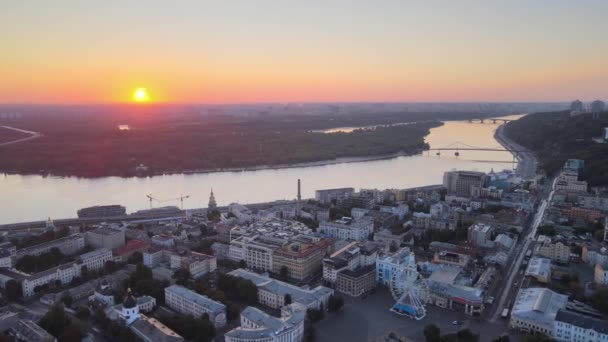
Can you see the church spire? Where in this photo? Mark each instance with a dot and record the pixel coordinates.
(212, 203)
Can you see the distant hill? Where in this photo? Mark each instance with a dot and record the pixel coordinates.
(556, 137)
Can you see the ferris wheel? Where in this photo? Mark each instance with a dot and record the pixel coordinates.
(409, 290)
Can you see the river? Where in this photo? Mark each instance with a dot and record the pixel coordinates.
(31, 198)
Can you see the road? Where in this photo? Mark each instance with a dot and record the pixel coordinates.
(527, 162)
(32, 135)
(528, 242)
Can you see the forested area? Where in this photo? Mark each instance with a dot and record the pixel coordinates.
(93, 146)
(556, 137)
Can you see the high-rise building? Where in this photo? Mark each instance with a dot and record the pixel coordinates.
(461, 183)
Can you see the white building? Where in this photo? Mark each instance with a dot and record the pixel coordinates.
(480, 235)
(96, 260)
(540, 269)
(189, 302)
(68, 245)
(573, 327)
(400, 210)
(348, 229)
(258, 326)
(387, 264)
(271, 292)
(350, 257)
(535, 310)
(328, 195)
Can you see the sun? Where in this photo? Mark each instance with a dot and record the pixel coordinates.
(140, 95)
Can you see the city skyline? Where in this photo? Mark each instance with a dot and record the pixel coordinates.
(198, 52)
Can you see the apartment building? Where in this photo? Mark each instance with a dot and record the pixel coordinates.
(258, 326)
(105, 237)
(461, 183)
(348, 229)
(272, 292)
(68, 245)
(302, 257)
(328, 195)
(574, 327)
(555, 251)
(189, 302)
(96, 260)
(535, 310)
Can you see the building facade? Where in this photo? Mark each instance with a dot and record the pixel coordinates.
(189, 302)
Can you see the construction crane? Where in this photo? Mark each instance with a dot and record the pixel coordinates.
(150, 198)
(181, 200)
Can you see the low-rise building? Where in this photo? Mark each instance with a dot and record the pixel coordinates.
(102, 211)
(535, 310)
(539, 269)
(96, 260)
(132, 246)
(388, 263)
(574, 327)
(25, 330)
(480, 235)
(348, 229)
(68, 245)
(272, 292)
(105, 237)
(189, 302)
(557, 251)
(258, 326)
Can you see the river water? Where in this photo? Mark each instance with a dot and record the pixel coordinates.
(32, 198)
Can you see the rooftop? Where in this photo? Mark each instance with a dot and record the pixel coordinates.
(105, 231)
(268, 326)
(194, 297)
(538, 304)
(582, 321)
(154, 330)
(298, 295)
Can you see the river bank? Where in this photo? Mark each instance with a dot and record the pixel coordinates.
(527, 162)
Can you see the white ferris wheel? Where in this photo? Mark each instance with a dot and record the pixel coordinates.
(409, 290)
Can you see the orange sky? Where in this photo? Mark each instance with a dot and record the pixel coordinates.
(72, 52)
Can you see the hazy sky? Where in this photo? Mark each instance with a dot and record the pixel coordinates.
(276, 51)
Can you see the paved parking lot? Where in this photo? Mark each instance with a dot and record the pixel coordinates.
(363, 320)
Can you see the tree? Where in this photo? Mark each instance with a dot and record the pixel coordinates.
(309, 331)
(182, 276)
(503, 338)
(466, 335)
(536, 338)
(284, 272)
(242, 264)
(135, 258)
(335, 303)
(432, 333)
(71, 334)
(55, 320)
(13, 290)
(67, 299)
(287, 299)
(83, 312)
(600, 299)
(232, 312)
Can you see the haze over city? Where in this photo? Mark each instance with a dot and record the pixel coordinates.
(74, 52)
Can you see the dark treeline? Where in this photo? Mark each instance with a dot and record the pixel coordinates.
(556, 137)
(92, 145)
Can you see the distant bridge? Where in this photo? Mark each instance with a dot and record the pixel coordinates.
(494, 120)
(460, 146)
